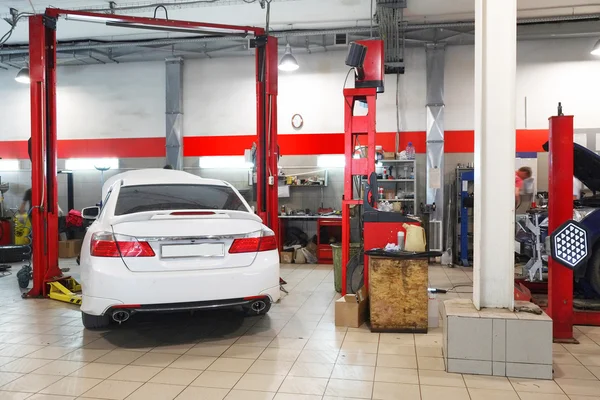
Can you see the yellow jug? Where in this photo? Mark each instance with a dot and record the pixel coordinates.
(415, 238)
(22, 230)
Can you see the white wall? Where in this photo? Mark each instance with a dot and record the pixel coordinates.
(127, 100)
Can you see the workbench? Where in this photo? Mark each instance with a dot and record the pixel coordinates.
(326, 226)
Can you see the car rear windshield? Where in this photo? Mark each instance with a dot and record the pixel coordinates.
(134, 199)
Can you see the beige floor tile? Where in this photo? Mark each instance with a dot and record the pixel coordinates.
(71, 386)
(231, 365)
(156, 359)
(97, 370)
(574, 397)
(259, 382)
(317, 356)
(217, 379)
(431, 363)
(157, 391)
(360, 347)
(173, 348)
(30, 383)
(280, 354)
(545, 396)
(440, 378)
(24, 365)
(369, 360)
(135, 373)
(292, 396)
(587, 360)
(362, 337)
(85, 355)
(301, 385)
(594, 370)
(254, 341)
(429, 340)
(328, 335)
(397, 338)
(536, 386)
(50, 353)
(175, 376)
(492, 394)
(112, 390)
(353, 372)
(395, 391)
(13, 395)
(59, 367)
(488, 382)
(311, 370)
(238, 351)
(196, 393)
(585, 349)
(396, 349)
(193, 362)
(18, 350)
(579, 387)
(345, 388)
(396, 375)
(207, 350)
(271, 367)
(429, 351)
(120, 357)
(289, 343)
(247, 395)
(393, 361)
(326, 345)
(6, 360)
(565, 358)
(6, 377)
(573, 372)
(446, 393)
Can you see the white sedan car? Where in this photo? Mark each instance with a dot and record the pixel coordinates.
(166, 240)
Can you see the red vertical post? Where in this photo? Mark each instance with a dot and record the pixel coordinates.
(348, 186)
(271, 82)
(261, 206)
(37, 75)
(560, 209)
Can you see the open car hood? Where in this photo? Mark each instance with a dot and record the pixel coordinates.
(586, 166)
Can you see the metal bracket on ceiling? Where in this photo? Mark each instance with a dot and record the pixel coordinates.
(258, 41)
(49, 22)
(113, 6)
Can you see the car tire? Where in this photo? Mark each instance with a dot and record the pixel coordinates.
(252, 312)
(593, 270)
(95, 321)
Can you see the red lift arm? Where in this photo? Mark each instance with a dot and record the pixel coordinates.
(42, 66)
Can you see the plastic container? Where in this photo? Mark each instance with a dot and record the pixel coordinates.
(337, 262)
(415, 238)
(410, 151)
(401, 240)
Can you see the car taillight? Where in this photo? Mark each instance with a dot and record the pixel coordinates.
(253, 245)
(105, 244)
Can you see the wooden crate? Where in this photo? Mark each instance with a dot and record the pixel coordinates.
(398, 294)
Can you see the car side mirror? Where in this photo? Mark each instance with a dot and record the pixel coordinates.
(90, 212)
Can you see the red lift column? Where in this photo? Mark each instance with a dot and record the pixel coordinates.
(560, 209)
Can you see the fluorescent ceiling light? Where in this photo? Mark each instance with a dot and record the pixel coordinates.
(23, 76)
(9, 165)
(596, 49)
(75, 164)
(288, 62)
(227, 162)
(331, 161)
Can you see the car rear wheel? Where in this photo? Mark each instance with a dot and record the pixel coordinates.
(258, 307)
(95, 321)
(593, 270)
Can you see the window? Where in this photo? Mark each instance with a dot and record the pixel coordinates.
(134, 199)
(75, 164)
(9, 165)
(331, 161)
(229, 162)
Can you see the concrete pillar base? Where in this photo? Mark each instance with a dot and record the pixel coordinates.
(495, 341)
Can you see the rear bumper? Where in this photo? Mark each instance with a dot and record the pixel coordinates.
(107, 284)
(199, 305)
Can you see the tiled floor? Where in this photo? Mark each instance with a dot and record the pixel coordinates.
(295, 353)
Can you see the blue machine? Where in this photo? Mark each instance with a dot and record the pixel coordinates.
(466, 203)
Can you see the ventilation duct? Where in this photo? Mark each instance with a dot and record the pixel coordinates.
(390, 18)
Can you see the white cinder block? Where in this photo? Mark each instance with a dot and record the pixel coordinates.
(469, 338)
(498, 368)
(473, 367)
(530, 371)
(529, 341)
(499, 340)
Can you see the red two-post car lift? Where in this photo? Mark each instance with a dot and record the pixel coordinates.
(42, 66)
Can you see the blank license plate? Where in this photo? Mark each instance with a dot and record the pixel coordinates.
(194, 250)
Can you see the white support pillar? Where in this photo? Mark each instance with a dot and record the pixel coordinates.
(495, 75)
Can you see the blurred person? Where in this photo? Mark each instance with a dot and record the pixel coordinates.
(524, 188)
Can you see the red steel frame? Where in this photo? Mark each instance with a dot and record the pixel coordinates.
(42, 66)
(357, 130)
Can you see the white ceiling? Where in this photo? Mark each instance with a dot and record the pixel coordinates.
(285, 14)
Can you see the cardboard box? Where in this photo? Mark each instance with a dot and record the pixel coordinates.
(299, 257)
(287, 256)
(69, 248)
(351, 310)
(389, 155)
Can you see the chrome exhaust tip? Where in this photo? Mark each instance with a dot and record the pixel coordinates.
(120, 316)
(258, 306)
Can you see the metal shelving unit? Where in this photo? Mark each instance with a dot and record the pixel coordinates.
(463, 219)
(402, 170)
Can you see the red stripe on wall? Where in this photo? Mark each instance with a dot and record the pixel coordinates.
(293, 144)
